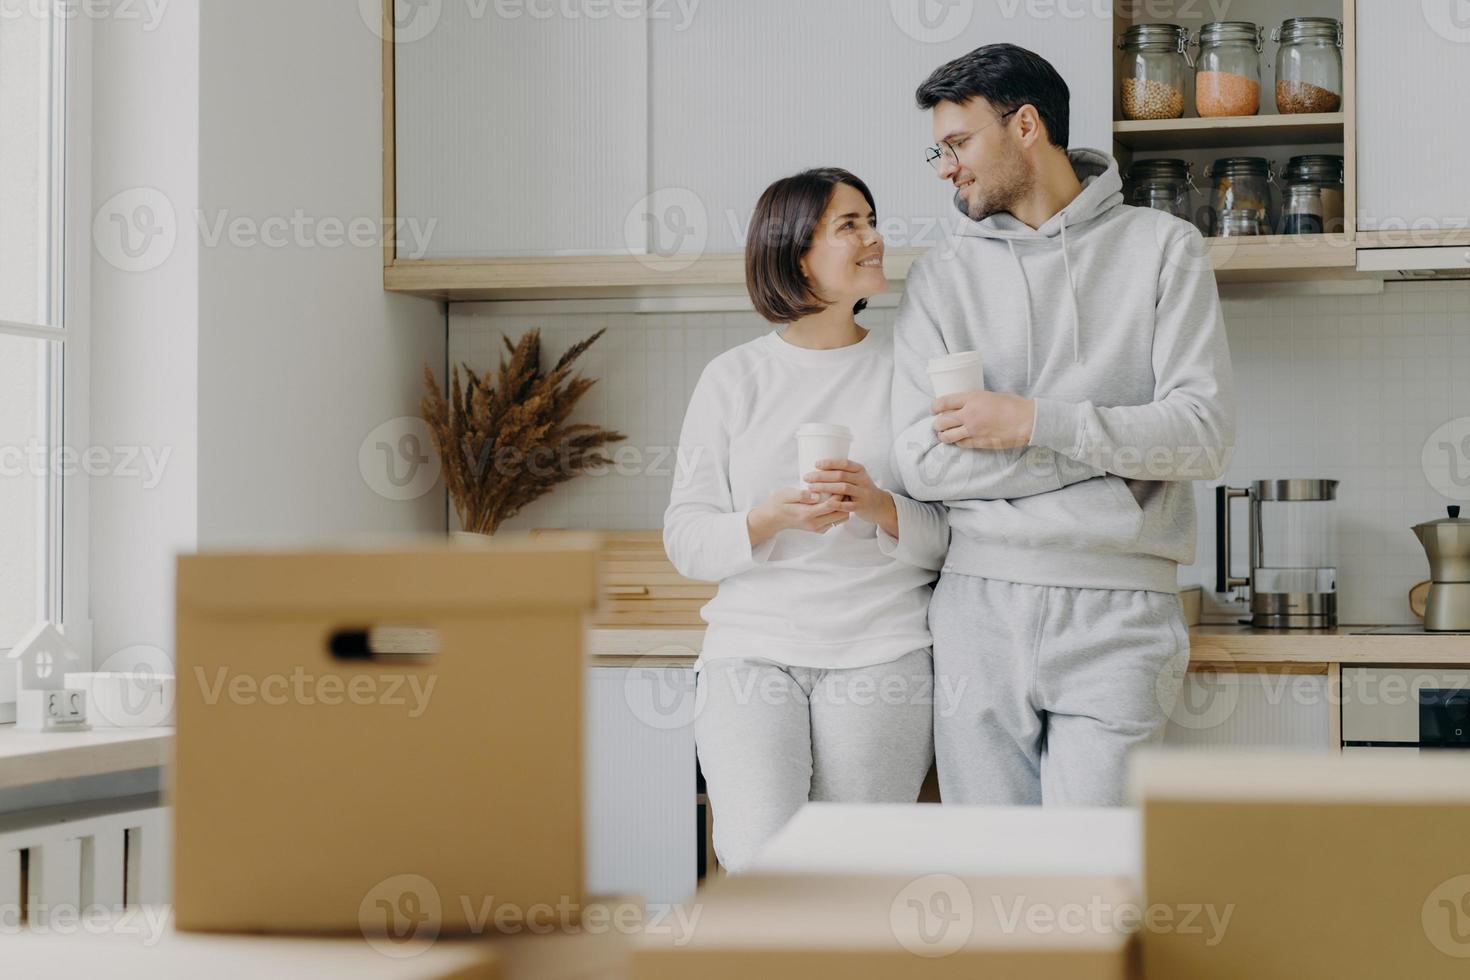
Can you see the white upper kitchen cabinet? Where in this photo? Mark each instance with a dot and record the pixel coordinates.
(520, 130)
(748, 91)
(1413, 76)
(525, 127)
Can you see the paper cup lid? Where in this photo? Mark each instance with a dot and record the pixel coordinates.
(824, 429)
(961, 359)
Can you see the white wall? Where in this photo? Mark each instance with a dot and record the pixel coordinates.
(301, 354)
(258, 370)
(144, 316)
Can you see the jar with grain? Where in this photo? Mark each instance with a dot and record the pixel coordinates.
(1309, 65)
(1325, 172)
(1240, 184)
(1163, 185)
(1301, 211)
(1155, 65)
(1227, 73)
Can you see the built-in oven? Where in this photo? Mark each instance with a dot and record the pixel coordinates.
(1401, 708)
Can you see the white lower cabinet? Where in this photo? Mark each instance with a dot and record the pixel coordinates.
(1237, 710)
(641, 814)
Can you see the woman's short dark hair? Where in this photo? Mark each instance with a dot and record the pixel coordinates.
(781, 231)
(1008, 77)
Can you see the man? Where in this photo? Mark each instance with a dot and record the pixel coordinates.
(1056, 620)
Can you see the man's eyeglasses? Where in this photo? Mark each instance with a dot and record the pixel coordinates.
(945, 150)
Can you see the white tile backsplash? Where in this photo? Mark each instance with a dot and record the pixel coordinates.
(1336, 387)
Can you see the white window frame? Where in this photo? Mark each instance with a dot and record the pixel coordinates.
(66, 598)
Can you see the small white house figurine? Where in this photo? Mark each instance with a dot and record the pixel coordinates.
(41, 661)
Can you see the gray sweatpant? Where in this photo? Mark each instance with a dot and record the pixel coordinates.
(1049, 688)
(770, 738)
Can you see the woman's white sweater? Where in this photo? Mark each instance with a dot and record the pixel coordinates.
(850, 597)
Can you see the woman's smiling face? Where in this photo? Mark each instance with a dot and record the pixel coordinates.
(845, 261)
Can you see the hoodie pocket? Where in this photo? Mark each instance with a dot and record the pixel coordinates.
(1095, 514)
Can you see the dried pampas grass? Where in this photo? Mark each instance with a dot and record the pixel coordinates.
(505, 445)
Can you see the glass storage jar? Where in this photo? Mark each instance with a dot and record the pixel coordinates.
(1301, 210)
(1325, 172)
(1240, 184)
(1163, 185)
(1309, 65)
(1227, 73)
(1237, 222)
(1155, 66)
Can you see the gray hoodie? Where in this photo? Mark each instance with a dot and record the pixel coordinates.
(1109, 317)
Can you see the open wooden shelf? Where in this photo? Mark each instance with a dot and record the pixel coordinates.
(1177, 134)
(1283, 258)
(1268, 258)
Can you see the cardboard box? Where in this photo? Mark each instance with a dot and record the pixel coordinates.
(138, 943)
(816, 927)
(1342, 866)
(321, 788)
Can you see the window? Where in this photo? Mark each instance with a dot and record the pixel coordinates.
(33, 331)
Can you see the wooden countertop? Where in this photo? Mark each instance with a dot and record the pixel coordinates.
(1212, 646)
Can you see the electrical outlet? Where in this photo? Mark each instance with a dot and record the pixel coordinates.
(52, 711)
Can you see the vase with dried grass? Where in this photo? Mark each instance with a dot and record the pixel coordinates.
(506, 441)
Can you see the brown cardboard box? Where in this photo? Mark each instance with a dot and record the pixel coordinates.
(314, 793)
(813, 927)
(1350, 867)
(139, 944)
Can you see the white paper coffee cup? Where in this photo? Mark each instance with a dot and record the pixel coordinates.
(954, 373)
(820, 440)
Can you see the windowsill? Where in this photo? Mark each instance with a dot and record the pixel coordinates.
(27, 758)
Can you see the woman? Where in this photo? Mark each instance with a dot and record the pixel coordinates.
(816, 678)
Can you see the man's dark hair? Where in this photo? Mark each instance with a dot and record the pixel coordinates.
(1007, 77)
(781, 234)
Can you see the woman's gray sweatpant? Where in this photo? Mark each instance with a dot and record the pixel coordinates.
(1042, 692)
(770, 738)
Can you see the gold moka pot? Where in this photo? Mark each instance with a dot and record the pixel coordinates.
(1447, 543)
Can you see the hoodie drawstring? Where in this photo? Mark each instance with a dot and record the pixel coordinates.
(1026, 291)
(1071, 296)
(1071, 292)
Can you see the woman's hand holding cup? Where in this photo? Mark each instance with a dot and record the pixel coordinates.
(855, 492)
(793, 508)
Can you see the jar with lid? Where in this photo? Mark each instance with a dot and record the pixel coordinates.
(1323, 171)
(1240, 184)
(1227, 73)
(1164, 185)
(1237, 222)
(1155, 66)
(1309, 65)
(1301, 210)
